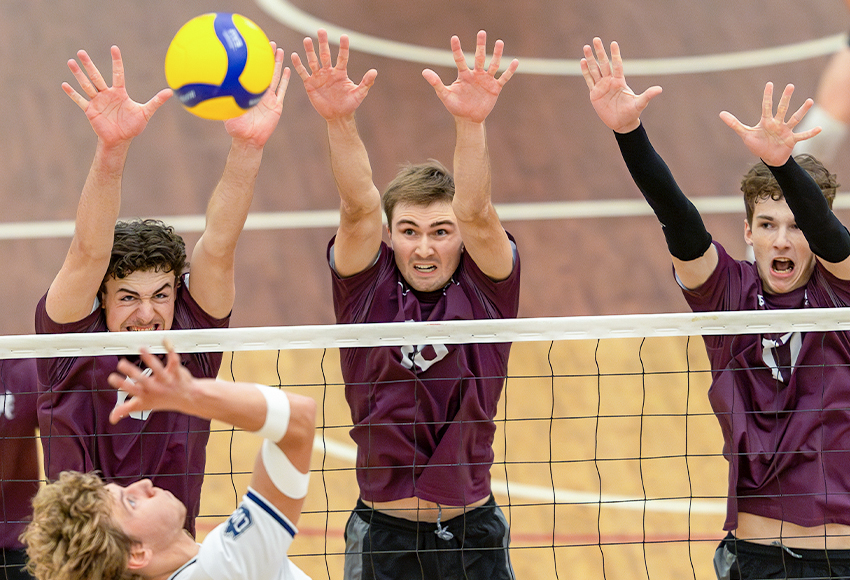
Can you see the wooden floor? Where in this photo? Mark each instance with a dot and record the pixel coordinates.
(546, 144)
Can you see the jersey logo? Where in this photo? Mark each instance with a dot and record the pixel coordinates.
(121, 396)
(412, 355)
(239, 521)
(781, 354)
(7, 405)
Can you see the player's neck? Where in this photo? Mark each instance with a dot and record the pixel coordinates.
(178, 555)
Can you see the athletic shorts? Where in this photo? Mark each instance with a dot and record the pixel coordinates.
(741, 560)
(12, 564)
(382, 547)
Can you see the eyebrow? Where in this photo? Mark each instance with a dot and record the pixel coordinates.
(431, 225)
(121, 501)
(134, 293)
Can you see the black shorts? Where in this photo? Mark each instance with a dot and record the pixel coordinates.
(379, 546)
(12, 564)
(741, 560)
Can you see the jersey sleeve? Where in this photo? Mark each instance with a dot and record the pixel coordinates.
(501, 297)
(723, 291)
(836, 290)
(252, 544)
(51, 371)
(353, 294)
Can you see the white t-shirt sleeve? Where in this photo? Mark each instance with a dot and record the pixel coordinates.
(251, 545)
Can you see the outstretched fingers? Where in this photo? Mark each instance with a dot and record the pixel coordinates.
(480, 50)
(496, 60)
(509, 72)
(342, 57)
(733, 123)
(798, 116)
(117, 68)
(767, 101)
(325, 59)
(459, 57)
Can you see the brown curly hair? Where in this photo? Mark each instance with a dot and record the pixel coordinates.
(759, 184)
(72, 535)
(145, 245)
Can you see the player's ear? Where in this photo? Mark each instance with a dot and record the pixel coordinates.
(139, 558)
(748, 233)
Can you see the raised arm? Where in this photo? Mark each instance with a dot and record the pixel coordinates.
(116, 119)
(336, 97)
(469, 99)
(285, 420)
(694, 257)
(772, 139)
(212, 281)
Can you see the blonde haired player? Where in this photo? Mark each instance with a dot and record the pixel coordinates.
(83, 528)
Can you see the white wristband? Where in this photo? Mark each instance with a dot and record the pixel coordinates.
(283, 474)
(277, 414)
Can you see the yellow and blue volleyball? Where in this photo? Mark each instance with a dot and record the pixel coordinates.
(219, 65)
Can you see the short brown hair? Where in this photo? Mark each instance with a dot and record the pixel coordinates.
(72, 535)
(418, 184)
(759, 184)
(145, 245)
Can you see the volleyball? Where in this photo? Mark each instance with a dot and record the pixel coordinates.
(219, 65)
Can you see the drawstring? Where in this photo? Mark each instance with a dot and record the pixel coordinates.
(782, 546)
(441, 532)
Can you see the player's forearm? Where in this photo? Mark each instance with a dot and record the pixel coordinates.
(100, 201)
(239, 404)
(230, 202)
(687, 238)
(471, 171)
(351, 169)
(827, 236)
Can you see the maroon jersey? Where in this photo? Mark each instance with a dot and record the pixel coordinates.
(18, 453)
(423, 416)
(75, 401)
(783, 401)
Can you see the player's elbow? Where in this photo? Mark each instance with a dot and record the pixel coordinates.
(302, 420)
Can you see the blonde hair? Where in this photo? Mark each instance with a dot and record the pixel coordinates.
(72, 535)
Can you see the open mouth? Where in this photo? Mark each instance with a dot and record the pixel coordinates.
(782, 266)
(142, 328)
(425, 269)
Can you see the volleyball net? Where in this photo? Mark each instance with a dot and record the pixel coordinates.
(608, 458)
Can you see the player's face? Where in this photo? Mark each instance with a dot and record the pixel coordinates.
(143, 300)
(784, 259)
(149, 515)
(427, 244)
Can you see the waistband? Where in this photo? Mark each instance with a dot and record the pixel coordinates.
(775, 550)
(375, 517)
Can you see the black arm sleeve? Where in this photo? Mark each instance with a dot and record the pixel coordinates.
(827, 236)
(687, 238)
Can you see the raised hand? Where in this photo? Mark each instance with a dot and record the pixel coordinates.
(474, 93)
(773, 138)
(616, 104)
(163, 388)
(259, 122)
(113, 115)
(329, 89)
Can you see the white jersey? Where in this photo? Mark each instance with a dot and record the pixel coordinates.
(251, 545)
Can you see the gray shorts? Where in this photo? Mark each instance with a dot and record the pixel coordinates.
(379, 546)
